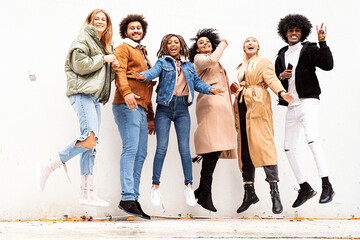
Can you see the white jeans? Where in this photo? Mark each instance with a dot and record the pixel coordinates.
(305, 114)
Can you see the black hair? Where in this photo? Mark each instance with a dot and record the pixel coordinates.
(163, 51)
(132, 18)
(291, 21)
(211, 34)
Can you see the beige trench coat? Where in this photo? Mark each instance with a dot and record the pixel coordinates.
(215, 117)
(259, 121)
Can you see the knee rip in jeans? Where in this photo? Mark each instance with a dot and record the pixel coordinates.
(310, 142)
(287, 150)
(89, 142)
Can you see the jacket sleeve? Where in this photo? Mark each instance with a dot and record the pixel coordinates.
(82, 63)
(199, 85)
(154, 72)
(270, 78)
(204, 61)
(278, 68)
(121, 80)
(322, 57)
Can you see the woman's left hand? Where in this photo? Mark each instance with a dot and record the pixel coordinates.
(151, 127)
(137, 75)
(287, 97)
(217, 91)
(115, 64)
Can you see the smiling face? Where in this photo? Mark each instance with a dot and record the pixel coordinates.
(251, 46)
(204, 45)
(293, 35)
(174, 47)
(100, 23)
(134, 31)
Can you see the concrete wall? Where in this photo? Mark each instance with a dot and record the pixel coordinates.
(37, 120)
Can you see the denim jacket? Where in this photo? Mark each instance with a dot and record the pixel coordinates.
(165, 69)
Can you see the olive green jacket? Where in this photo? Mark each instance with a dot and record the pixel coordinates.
(85, 67)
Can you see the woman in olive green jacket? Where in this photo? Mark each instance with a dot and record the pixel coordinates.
(89, 76)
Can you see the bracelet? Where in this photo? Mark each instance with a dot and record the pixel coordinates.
(321, 39)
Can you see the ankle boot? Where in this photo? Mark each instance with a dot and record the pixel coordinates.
(43, 170)
(203, 193)
(275, 198)
(249, 197)
(87, 194)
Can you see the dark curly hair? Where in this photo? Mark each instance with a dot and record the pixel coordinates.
(291, 21)
(132, 18)
(211, 34)
(163, 51)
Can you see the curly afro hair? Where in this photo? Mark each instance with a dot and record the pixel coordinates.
(291, 21)
(211, 34)
(132, 18)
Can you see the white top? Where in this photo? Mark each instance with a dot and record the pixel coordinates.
(292, 56)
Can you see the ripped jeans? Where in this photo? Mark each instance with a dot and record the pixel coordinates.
(87, 108)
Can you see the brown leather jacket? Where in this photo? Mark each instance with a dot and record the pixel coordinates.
(131, 58)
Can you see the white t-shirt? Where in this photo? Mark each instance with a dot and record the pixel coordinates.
(292, 56)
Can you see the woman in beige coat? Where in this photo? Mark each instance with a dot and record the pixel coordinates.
(215, 135)
(254, 124)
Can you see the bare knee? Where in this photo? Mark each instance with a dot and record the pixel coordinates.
(89, 142)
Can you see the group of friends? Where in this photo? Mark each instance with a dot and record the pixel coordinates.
(241, 129)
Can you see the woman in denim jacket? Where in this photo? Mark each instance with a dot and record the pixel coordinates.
(175, 92)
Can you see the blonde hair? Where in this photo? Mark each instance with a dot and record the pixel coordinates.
(248, 64)
(106, 37)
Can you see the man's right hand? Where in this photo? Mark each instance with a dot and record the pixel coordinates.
(131, 101)
(285, 74)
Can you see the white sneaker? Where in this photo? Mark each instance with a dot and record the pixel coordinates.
(189, 195)
(155, 196)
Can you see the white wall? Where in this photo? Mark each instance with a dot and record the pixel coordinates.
(37, 120)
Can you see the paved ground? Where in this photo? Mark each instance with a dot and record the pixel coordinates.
(183, 229)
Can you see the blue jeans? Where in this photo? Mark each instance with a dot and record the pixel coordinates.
(178, 112)
(133, 130)
(87, 108)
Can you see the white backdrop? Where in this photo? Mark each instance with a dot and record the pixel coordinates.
(37, 120)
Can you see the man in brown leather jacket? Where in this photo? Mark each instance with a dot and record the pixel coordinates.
(132, 110)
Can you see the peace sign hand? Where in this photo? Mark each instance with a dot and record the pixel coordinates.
(321, 32)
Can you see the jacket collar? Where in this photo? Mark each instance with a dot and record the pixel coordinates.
(182, 58)
(91, 30)
(133, 43)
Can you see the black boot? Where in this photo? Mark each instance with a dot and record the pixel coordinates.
(327, 193)
(130, 207)
(277, 207)
(305, 193)
(203, 193)
(249, 198)
(143, 215)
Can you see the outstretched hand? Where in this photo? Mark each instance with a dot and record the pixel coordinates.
(288, 97)
(217, 91)
(137, 75)
(321, 32)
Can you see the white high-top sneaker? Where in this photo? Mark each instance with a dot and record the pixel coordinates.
(87, 195)
(189, 195)
(155, 196)
(43, 170)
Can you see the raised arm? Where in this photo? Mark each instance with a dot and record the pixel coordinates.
(204, 61)
(322, 56)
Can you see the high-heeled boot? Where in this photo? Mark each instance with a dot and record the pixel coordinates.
(277, 207)
(249, 197)
(43, 170)
(203, 193)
